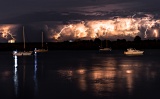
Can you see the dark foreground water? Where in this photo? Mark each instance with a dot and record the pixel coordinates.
(80, 75)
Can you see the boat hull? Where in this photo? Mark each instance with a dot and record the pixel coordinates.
(105, 49)
(134, 53)
(131, 51)
(27, 53)
(40, 50)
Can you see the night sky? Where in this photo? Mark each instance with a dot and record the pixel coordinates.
(51, 16)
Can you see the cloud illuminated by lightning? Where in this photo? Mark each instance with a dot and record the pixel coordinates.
(6, 31)
(106, 29)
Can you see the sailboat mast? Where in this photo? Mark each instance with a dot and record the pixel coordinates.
(23, 38)
(42, 39)
(106, 44)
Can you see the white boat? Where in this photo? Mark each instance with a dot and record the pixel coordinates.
(23, 53)
(132, 51)
(42, 49)
(105, 49)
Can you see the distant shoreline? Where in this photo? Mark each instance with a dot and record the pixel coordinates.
(83, 45)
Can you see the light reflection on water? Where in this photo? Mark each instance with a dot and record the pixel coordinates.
(97, 80)
(23, 75)
(15, 77)
(35, 76)
(111, 75)
(97, 74)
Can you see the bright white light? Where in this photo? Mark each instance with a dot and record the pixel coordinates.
(15, 61)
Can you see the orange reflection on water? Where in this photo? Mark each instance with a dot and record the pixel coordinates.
(82, 82)
(103, 80)
(110, 76)
(129, 80)
(6, 74)
(81, 71)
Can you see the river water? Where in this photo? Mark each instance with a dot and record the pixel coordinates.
(85, 74)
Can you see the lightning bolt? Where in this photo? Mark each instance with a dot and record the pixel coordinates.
(145, 33)
(5, 32)
(59, 34)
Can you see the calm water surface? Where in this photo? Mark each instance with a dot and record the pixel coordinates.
(80, 75)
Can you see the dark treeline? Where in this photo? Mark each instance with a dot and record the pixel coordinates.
(85, 45)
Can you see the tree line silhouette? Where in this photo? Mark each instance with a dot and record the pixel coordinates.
(86, 44)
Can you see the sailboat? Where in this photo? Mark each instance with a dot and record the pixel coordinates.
(22, 53)
(105, 48)
(42, 49)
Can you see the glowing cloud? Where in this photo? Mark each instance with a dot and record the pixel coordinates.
(108, 29)
(6, 31)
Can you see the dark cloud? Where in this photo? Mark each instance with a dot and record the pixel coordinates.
(35, 14)
(15, 8)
